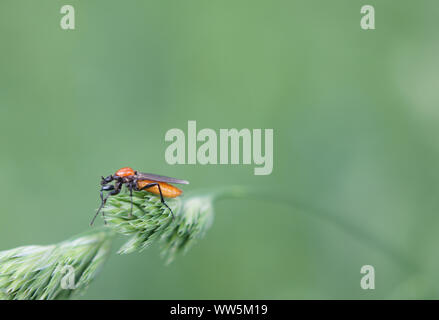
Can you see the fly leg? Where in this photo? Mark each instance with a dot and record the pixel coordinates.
(149, 185)
(131, 186)
(113, 191)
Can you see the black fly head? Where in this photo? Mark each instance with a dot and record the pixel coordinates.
(106, 180)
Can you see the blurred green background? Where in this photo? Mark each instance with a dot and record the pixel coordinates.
(354, 112)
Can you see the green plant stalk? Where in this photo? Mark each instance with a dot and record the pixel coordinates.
(326, 215)
(35, 272)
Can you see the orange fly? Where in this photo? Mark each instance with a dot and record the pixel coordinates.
(138, 181)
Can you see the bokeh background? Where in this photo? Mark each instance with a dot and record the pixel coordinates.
(355, 117)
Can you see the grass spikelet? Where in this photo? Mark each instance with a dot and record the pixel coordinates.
(37, 272)
(152, 222)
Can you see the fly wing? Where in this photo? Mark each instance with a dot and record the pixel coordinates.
(156, 177)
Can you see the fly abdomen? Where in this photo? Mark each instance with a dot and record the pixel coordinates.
(168, 191)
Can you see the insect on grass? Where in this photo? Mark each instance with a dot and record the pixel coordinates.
(138, 181)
